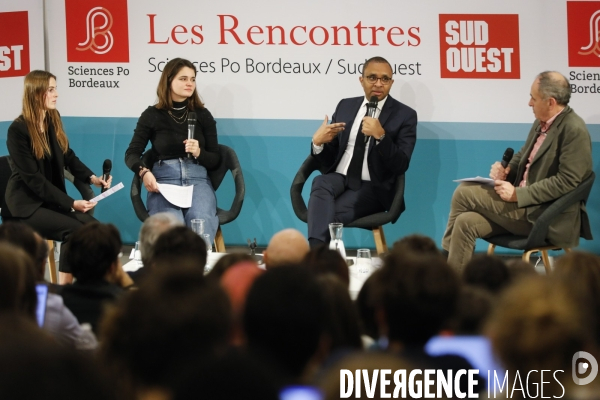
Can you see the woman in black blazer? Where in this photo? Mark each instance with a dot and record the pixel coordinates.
(39, 152)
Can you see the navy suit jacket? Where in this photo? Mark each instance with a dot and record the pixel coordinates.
(387, 160)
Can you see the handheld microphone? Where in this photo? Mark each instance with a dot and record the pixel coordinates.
(106, 167)
(371, 110)
(508, 155)
(191, 128)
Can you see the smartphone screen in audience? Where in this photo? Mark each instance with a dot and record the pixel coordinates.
(476, 349)
(42, 298)
(300, 393)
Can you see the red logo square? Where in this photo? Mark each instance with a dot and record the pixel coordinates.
(583, 24)
(480, 46)
(97, 31)
(14, 44)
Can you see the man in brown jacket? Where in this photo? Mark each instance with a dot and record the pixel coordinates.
(555, 159)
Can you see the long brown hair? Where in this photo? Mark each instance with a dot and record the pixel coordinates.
(34, 110)
(163, 91)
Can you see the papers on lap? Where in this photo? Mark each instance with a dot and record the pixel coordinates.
(180, 196)
(107, 193)
(477, 179)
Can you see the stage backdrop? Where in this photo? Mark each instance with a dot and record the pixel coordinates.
(270, 77)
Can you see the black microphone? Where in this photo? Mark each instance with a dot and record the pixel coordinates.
(191, 128)
(106, 167)
(508, 155)
(371, 110)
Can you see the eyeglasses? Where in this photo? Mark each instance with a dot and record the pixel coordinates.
(385, 80)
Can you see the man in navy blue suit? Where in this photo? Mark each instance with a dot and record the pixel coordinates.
(360, 156)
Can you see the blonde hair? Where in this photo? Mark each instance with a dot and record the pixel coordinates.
(34, 110)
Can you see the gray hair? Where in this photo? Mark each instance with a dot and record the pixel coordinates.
(152, 228)
(555, 85)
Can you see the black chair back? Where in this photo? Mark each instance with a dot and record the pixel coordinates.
(538, 234)
(310, 165)
(5, 173)
(229, 162)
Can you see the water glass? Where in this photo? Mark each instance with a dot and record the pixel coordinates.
(137, 253)
(364, 264)
(198, 226)
(336, 229)
(360, 271)
(208, 242)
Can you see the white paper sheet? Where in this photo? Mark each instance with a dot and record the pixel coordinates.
(108, 192)
(180, 196)
(477, 179)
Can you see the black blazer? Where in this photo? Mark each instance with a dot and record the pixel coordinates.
(35, 183)
(387, 160)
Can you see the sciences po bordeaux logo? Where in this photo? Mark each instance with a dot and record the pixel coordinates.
(479, 46)
(14, 44)
(583, 24)
(97, 31)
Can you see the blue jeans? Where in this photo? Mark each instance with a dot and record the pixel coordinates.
(185, 172)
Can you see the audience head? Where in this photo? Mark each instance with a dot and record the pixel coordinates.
(33, 366)
(287, 247)
(173, 320)
(284, 318)
(152, 228)
(93, 251)
(416, 296)
(228, 261)
(232, 375)
(17, 282)
(472, 310)
(519, 268)
(419, 244)
(322, 260)
(539, 325)
(24, 237)
(236, 281)
(488, 272)
(341, 320)
(581, 271)
(366, 305)
(370, 362)
(179, 243)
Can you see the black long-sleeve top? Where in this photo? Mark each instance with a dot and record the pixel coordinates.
(167, 136)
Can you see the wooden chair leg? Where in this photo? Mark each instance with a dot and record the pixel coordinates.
(527, 255)
(52, 262)
(379, 237)
(546, 260)
(491, 249)
(219, 241)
